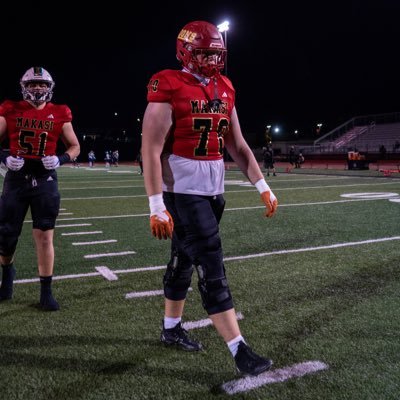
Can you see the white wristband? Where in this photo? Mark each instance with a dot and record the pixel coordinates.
(262, 186)
(156, 203)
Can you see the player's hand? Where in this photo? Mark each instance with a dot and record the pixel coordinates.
(271, 203)
(161, 224)
(14, 163)
(51, 162)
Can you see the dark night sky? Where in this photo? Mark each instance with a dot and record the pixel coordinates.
(294, 63)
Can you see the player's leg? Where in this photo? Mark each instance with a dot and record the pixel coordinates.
(44, 208)
(176, 282)
(203, 245)
(13, 208)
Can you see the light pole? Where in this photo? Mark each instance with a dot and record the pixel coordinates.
(224, 28)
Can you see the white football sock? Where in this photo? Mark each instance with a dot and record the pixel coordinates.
(171, 322)
(234, 344)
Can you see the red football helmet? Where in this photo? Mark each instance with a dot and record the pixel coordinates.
(201, 38)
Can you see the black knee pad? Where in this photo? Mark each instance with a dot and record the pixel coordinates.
(178, 277)
(215, 294)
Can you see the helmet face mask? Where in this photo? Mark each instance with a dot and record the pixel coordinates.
(37, 85)
(200, 48)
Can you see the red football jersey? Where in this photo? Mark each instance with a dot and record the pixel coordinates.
(34, 133)
(199, 128)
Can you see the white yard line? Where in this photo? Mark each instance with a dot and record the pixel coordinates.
(71, 225)
(149, 293)
(122, 253)
(95, 242)
(81, 233)
(274, 376)
(100, 187)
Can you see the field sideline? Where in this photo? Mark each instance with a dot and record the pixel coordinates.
(315, 288)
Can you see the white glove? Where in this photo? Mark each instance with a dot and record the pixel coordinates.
(51, 162)
(14, 163)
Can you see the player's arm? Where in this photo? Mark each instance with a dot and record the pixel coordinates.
(11, 162)
(157, 122)
(241, 153)
(70, 140)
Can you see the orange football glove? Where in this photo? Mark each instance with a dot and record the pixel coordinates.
(270, 202)
(161, 224)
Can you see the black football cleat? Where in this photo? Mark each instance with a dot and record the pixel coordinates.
(178, 336)
(250, 363)
(49, 303)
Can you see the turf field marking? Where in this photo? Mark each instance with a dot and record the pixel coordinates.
(149, 293)
(121, 172)
(205, 322)
(246, 183)
(370, 195)
(316, 248)
(95, 242)
(301, 204)
(107, 273)
(144, 294)
(71, 225)
(65, 213)
(395, 200)
(100, 187)
(122, 253)
(275, 376)
(227, 259)
(81, 233)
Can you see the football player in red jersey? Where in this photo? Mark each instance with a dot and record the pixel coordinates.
(32, 127)
(189, 119)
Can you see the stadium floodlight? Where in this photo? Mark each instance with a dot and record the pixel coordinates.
(224, 28)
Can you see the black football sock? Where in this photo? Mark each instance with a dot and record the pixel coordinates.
(8, 275)
(47, 301)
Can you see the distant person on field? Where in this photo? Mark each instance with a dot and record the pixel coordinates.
(382, 152)
(299, 160)
(291, 159)
(140, 161)
(91, 158)
(268, 159)
(107, 158)
(115, 158)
